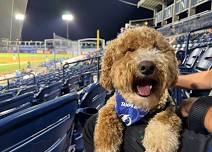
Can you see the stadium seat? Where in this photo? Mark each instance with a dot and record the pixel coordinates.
(16, 101)
(50, 92)
(193, 57)
(205, 61)
(33, 88)
(93, 96)
(71, 84)
(191, 60)
(44, 127)
(12, 91)
(180, 55)
(15, 104)
(183, 47)
(85, 79)
(6, 96)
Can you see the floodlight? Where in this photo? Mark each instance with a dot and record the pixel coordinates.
(67, 17)
(19, 17)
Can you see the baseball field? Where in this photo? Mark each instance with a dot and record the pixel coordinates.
(9, 62)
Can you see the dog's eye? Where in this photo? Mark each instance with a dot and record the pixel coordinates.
(130, 49)
(156, 46)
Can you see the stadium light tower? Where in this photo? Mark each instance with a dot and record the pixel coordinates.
(20, 18)
(67, 18)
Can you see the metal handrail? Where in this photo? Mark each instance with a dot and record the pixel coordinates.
(65, 66)
(13, 78)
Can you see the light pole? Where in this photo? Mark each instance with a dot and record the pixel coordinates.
(20, 18)
(67, 18)
(11, 20)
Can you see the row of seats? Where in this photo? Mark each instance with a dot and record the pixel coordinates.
(196, 40)
(48, 126)
(53, 76)
(196, 58)
(44, 127)
(200, 59)
(50, 115)
(27, 96)
(53, 118)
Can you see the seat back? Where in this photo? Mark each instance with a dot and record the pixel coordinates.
(6, 96)
(12, 91)
(192, 58)
(16, 101)
(72, 84)
(44, 127)
(205, 62)
(33, 88)
(99, 100)
(180, 55)
(94, 96)
(50, 92)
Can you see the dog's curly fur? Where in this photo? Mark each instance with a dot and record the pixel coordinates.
(120, 71)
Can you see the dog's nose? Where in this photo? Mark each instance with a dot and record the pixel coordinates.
(147, 67)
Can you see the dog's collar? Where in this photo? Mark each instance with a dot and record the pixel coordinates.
(129, 113)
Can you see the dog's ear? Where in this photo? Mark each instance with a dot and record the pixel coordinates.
(162, 44)
(173, 68)
(106, 65)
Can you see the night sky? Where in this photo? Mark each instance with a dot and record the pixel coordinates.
(44, 18)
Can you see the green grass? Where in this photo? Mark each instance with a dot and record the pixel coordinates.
(13, 67)
(28, 55)
(8, 66)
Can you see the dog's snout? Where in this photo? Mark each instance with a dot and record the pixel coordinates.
(147, 67)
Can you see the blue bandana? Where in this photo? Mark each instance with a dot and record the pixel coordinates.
(128, 112)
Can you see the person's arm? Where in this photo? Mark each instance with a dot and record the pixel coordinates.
(208, 120)
(201, 80)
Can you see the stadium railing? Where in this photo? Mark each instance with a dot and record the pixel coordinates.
(66, 66)
(18, 79)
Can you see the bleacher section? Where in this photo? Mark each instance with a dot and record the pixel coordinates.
(194, 51)
(47, 112)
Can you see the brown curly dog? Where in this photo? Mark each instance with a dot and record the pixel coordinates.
(141, 65)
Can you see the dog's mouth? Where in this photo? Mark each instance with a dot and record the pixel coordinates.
(145, 87)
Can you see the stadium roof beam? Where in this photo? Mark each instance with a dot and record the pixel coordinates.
(150, 4)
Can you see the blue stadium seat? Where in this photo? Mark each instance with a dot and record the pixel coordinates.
(15, 104)
(32, 88)
(50, 92)
(94, 96)
(13, 91)
(6, 96)
(199, 62)
(205, 61)
(44, 127)
(71, 84)
(16, 101)
(191, 60)
(86, 79)
(180, 55)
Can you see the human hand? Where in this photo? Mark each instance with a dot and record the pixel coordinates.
(186, 105)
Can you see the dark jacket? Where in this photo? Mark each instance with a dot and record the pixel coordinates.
(191, 141)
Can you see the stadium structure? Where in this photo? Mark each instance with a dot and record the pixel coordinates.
(11, 27)
(12, 15)
(175, 16)
(46, 111)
